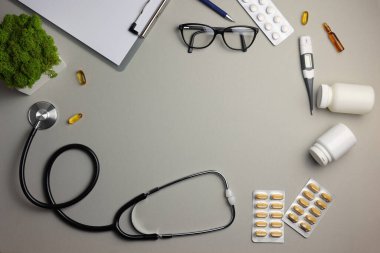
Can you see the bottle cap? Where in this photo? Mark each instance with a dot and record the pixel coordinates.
(324, 96)
(321, 157)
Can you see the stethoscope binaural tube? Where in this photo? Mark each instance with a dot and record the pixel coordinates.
(230, 198)
(38, 123)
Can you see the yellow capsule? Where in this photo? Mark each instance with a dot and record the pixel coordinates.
(261, 215)
(320, 204)
(261, 205)
(276, 224)
(81, 77)
(276, 196)
(298, 210)
(276, 205)
(310, 219)
(308, 195)
(303, 202)
(276, 215)
(314, 211)
(292, 217)
(261, 196)
(275, 234)
(260, 224)
(74, 118)
(260, 233)
(313, 187)
(304, 17)
(305, 227)
(326, 197)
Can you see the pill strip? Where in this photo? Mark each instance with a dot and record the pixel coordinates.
(268, 209)
(269, 19)
(308, 208)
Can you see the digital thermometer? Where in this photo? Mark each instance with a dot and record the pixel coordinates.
(307, 66)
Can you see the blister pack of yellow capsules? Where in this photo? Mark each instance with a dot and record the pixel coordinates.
(308, 209)
(268, 209)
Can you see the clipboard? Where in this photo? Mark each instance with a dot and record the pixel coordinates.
(102, 25)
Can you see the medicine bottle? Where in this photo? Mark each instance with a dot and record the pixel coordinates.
(346, 98)
(332, 145)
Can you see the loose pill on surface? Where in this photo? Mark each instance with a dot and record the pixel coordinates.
(276, 234)
(304, 17)
(276, 224)
(292, 217)
(81, 77)
(260, 233)
(261, 224)
(298, 210)
(276, 215)
(277, 196)
(276, 205)
(311, 219)
(261, 205)
(308, 195)
(313, 187)
(261, 215)
(261, 196)
(314, 211)
(303, 202)
(326, 197)
(305, 227)
(74, 118)
(320, 204)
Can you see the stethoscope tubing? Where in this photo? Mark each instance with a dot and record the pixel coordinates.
(115, 226)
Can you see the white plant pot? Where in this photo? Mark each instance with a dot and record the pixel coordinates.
(44, 79)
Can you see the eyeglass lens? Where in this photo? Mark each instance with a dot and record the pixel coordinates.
(198, 36)
(239, 38)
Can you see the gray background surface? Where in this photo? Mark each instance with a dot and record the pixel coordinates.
(170, 113)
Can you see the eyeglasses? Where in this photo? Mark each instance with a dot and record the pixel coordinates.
(200, 36)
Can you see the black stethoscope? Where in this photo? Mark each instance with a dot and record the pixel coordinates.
(43, 115)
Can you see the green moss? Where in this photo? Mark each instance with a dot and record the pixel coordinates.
(26, 51)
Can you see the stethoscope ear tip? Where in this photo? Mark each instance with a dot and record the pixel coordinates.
(42, 115)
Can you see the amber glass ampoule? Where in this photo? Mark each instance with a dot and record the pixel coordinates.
(333, 38)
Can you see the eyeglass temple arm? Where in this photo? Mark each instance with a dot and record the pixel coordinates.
(190, 47)
(243, 45)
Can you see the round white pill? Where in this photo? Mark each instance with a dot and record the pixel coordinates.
(253, 7)
(270, 10)
(284, 28)
(268, 26)
(275, 36)
(262, 2)
(277, 19)
(260, 17)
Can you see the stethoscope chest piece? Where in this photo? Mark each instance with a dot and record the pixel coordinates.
(43, 113)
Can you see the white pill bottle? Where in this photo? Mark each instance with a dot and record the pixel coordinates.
(346, 98)
(332, 144)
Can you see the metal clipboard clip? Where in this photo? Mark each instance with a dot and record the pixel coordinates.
(150, 22)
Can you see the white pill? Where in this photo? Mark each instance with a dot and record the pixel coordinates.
(253, 7)
(284, 28)
(277, 19)
(275, 36)
(260, 17)
(270, 10)
(262, 2)
(268, 26)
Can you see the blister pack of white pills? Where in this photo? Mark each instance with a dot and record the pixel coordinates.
(268, 209)
(269, 19)
(308, 208)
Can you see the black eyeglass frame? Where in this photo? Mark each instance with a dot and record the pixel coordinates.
(221, 31)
